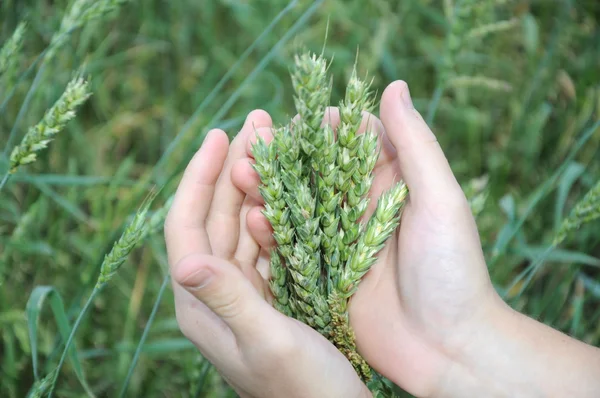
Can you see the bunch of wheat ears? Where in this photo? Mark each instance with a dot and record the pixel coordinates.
(315, 182)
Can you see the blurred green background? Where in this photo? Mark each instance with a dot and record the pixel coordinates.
(509, 87)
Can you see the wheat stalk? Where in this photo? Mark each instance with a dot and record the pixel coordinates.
(316, 189)
(54, 120)
(133, 234)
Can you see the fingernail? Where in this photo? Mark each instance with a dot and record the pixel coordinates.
(406, 100)
(198, 279)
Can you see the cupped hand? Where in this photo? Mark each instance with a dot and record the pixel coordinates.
(423, 301)
(220, 291)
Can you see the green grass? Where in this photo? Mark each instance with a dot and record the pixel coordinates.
(521, 105)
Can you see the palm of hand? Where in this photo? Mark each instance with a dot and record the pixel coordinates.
(420, 302)
(423, 298)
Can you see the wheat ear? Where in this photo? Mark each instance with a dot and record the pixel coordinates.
(54, 120)
(585, 211)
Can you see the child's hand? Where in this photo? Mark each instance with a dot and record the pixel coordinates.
(219, 292)
(426, 315)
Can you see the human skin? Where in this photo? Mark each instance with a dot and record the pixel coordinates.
(219, 294)
(426, 315)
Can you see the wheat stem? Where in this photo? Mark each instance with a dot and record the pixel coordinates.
(4, 180)
(63, 357)
(140, 345)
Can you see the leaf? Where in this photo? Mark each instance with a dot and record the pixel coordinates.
(70, 180)
(572, 173)
(36, 302)
(69, 207)
(507, 204)
(544, 189)
(158, 347)
(560, 256)
(530, 34)
(591, 285)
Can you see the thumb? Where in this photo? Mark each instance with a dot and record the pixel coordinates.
(423, 165)
(223, 288)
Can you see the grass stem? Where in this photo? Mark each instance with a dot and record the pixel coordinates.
(140, 345)
(63, 357)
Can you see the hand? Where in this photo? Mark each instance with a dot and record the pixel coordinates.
(429, 289)
(219, 291)
(426, 315)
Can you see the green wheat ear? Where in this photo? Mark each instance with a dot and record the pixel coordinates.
(586, 210)
(55, 119)
(315, 186)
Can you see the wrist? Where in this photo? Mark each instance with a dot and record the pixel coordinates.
(474, 361)
(511, 355)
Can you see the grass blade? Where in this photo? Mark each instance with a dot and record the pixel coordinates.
(213, 93)
(501, 246)
(36, 302)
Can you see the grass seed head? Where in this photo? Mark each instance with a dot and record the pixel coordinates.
(133, 234)
(81, 13)
(585, 211)
(55, 119)
(9, 53)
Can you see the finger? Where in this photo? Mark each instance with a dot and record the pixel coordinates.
(422, 162)
(265, 133)
(222, 287)
(246, 254)
(331, 117)
(223, 223)
(386, 171)
(185, 230)
(264, 269)
(260, 228)
(203, 327)
(370, 123)
(246, 179)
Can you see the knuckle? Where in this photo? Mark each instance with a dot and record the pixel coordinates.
(229, 306)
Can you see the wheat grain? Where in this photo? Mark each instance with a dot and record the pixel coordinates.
(267, 167)
(379, 228)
